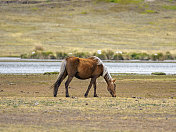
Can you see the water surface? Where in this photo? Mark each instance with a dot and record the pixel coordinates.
(41, 67)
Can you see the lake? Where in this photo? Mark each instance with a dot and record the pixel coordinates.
(29, 66)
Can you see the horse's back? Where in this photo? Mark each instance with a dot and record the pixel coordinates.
(83, 68)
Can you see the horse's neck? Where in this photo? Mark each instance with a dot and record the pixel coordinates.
(108, 78)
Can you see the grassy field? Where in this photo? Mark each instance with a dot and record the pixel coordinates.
(87, 25)
(144, 103)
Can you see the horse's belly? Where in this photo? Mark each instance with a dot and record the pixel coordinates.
(82, 76)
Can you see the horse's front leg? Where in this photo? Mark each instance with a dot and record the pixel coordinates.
(67, 84)
(95, 87)
(89, 87)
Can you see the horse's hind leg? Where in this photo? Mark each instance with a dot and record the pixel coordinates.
(58, 83)
(67, 84)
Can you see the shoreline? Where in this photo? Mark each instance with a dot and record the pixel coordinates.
(18, 59)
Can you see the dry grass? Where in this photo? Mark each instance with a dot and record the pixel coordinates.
(87, 114)
(144, 103)
(87, 26)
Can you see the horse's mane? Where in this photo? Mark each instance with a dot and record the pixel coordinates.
(105, 70)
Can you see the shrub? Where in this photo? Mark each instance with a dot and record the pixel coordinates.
(46, 55)
(158, 56)
(168, 56)
(52, 56)
(81, 54)
(118, 57)
(101, 56)
(34, 55)
(61, 55)
(24, 56)
(39, 55)
(158, 73)
(124, 1)
(138, 56)
(126, 56)
(109, 54)
(50, 73)
(170, 7)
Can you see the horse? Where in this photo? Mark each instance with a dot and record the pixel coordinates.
(84, 68)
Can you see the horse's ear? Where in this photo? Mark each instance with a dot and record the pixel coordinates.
(113, 80)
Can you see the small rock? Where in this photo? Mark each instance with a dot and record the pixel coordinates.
(36, 92)
(59, 111)
(1, 90)
(36, 103)
(86, 103)
(133, 97)
(45, 111)
(12, 84)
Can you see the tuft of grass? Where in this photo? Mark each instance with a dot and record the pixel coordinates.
(125, 1)
(84, 12)
(50, 73)
(170, 7)
(150, 11)
(158, 73)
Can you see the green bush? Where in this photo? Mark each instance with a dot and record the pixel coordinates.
(81, 54)
(61, 55)
(39, 55)
(124, 1)
(50, 73)
(168, 56)
(138, 56)
(35, 55)
(24, 56)
(158, 56)
(170, 7)
(101, 56)
(109, 54)
(158, 73)
(118, 57)
(45, 55)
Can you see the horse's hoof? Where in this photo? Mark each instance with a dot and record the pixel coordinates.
(95, 95)
(67, 96)
(55, 95)
(85, 95)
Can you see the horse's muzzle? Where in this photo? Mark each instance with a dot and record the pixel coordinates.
(113, 95)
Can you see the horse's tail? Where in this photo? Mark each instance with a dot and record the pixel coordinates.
(62, 75)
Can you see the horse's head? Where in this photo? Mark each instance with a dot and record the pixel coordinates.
(112, 88)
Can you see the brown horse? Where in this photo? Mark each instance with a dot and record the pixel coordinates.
(82, 68)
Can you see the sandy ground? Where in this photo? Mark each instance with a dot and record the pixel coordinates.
(144, 103)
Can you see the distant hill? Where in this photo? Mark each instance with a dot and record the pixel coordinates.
(87, 25)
